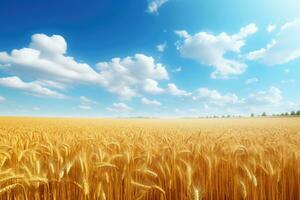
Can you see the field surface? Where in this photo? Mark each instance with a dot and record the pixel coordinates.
(43, 158)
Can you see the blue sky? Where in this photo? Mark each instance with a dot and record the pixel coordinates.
(163, 58)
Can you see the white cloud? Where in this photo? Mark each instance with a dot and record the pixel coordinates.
(258, 54)
(85, 107)
(29, 87)
(86, 103)
(173, 90)
(85, 100)
(272, 96)
(251, 80)
(2, 98)
(128, 75)
(214, 97)
(210, 49)
(250, 29)
(44, 58)
(151, 87)
(178, 69)
(119, 107)
(271, 28)
(270, 101)
(154, 5)
(54, 45)
(45, 62)
(285, 47)
(161, 47)
(292, 106)
(183, 34)
(52, 84)
(149, 102)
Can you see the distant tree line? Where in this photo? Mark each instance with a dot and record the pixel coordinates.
(264, 114)
(292, 113)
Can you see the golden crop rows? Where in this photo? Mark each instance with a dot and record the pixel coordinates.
(149, 159)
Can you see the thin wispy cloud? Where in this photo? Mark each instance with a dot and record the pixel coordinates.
(154, 5)
(149, 102)
(251, 81)
(30, 87)
(178, 69)
(283, 48)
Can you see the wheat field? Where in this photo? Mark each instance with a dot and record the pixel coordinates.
(47, 158)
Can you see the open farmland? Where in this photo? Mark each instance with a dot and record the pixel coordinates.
(43, 158)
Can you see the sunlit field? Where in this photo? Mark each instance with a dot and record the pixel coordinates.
(129, 159)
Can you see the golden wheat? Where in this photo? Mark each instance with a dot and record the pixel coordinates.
(43, 158)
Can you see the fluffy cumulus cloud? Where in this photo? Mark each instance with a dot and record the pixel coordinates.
(272, 96)
(214, 97)
(173, 90)
(29, 87)
(45, 62)
(45, 57)
(129, 75)
(55, 45)
(214, 102)
(285, 47)
(154, 5)
(119, 108)
(210, 49)
(151, 86)
(149, 102)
